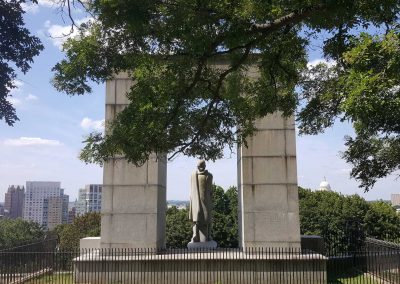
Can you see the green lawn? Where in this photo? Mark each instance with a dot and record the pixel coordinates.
(56, 279)
(67, 278)
(357, 279)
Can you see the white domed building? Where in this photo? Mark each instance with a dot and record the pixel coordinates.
(324, 186)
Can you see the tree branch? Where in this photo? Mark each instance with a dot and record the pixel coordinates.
(214, 100)
(292, 18)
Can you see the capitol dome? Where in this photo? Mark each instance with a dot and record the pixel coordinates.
(324, 186)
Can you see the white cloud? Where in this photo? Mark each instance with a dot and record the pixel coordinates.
(17, 98)
(30, 7)
(59, 34)
(15, 93)
(49, 3)
(31, 141)
(34, 8)
(18, 83)
(31, 97)
(88, 124)
(14, 101)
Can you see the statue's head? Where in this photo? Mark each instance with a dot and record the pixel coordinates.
(201, 165)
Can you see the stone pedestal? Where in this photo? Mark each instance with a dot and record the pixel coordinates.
(200, 267)
(267, 186)
(202, 245)
(134, 198)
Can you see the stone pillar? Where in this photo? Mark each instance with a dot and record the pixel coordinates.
(267, 186)
(134, 198)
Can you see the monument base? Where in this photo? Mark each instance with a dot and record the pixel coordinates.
(89, 243)
(189, 266)
(202, 245)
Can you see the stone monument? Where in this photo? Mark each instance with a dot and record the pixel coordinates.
(267, 186)
(134, 206)
(134, 199)
(200, 211)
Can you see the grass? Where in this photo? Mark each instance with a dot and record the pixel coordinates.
(355, 278)
(67, 278)
(55, 278)
(358, 279)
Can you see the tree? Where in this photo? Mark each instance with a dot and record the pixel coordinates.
(338, 219)
(362, 88)
(87, 225)
(17, 232)
(17, 49)
(382, 222)
(225, 219)
(179, 228)
(184, 102)
(345, 220)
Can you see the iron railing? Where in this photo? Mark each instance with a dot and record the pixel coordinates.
(34, 246)
(374, 261)
(348, 259)
(253, 265)
(231, 266)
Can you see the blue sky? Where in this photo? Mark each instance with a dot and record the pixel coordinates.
(44, 145)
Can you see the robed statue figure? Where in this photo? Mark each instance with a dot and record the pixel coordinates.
(201, 203)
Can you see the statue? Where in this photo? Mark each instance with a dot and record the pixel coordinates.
(201, 207)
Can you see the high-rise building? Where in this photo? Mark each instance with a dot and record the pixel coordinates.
(1, 210)
(65, 203)
(57, 210)
(395, 199)
(14, 202)
(80, 204)
(54, 211)
(45, 203)
(89, 199)
(93, 197)
(71, 215)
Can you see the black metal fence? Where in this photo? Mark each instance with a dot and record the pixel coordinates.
(253, 265)
(36, 267)
(41, 245)
(373, 262)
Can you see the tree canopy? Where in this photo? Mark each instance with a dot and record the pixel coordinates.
(339, 218)
(19, 232)
(225, 229)
(178, 228)
(87, 225)
(184, 102)
(17, 49)
(382, 222)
